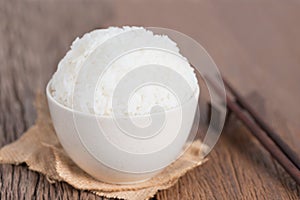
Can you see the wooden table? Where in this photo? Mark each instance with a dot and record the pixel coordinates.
(255, 44)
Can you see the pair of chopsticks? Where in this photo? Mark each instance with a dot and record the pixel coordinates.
(271, 141)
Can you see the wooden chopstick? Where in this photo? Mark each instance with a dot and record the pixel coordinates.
(261, 136)
(264, 126)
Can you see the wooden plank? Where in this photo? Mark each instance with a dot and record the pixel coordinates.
(256, 45)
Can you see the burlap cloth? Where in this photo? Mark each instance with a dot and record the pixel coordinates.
(40, 149)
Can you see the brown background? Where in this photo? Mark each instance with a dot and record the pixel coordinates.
(255, 44)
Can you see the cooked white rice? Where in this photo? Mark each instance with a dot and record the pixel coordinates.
(142, 100)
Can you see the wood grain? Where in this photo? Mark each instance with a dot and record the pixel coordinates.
(255, 44)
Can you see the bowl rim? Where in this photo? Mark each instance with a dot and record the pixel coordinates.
(52, 99)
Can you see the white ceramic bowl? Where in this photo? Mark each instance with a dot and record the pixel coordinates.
(111, 156)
